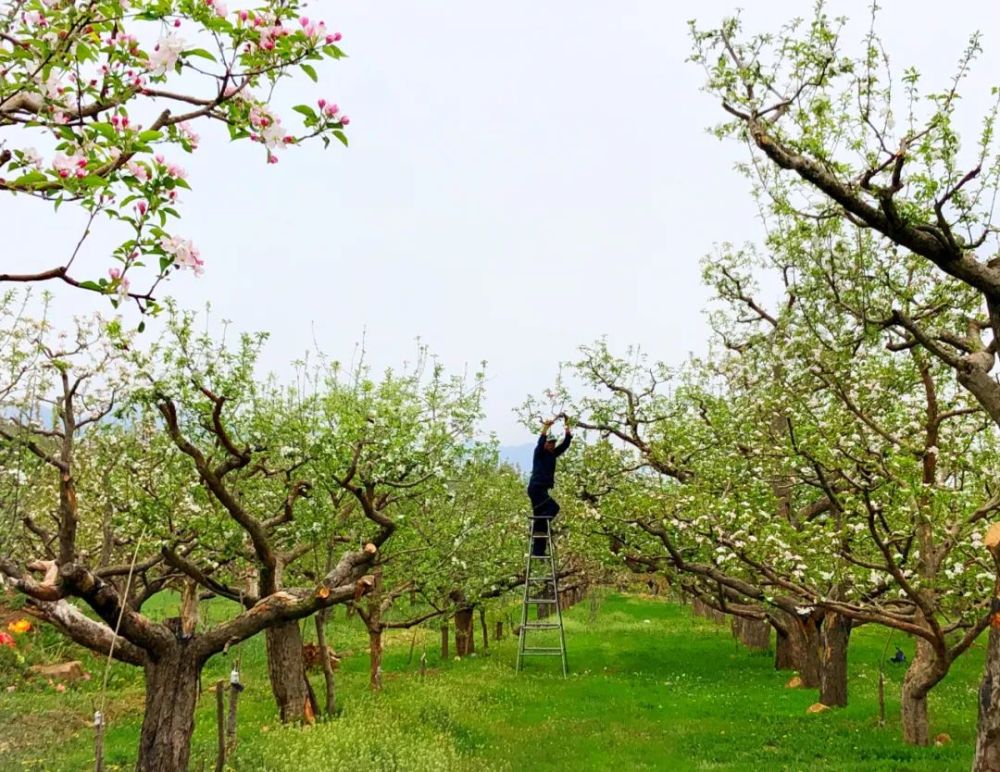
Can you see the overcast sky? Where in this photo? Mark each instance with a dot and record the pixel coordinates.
(523, 177)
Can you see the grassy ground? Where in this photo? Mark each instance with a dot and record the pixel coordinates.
(651, 688)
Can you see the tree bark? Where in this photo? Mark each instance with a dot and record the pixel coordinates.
(168, 721)
(375, 657)
(988, 728)
(465, 643)
(784, 656)
(924, 672)
(287, 671)
(328, 675)
(752, 633)
(803, 634)
(835, 634)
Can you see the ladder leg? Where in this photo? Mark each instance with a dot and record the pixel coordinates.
(555, 590)
(524, 602)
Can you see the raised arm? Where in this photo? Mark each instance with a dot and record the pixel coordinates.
(567, 437)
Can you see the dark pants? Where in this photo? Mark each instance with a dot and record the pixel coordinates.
(543, 509)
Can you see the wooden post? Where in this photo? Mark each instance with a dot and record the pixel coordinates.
(235, 687)
(98, 741)
(498, 634)
(486, 637)
(444, 640)
(423, 664)
(220, 718)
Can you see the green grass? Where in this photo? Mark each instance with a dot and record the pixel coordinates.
(651, 687)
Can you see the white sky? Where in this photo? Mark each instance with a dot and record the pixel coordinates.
(523, 178)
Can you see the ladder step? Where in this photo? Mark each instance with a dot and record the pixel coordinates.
(549, 652)
(541, 600)
(540, 626)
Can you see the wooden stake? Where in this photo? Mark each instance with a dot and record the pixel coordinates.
(98, 741)
(220, 718)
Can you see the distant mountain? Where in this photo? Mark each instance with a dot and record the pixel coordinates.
(519, 456)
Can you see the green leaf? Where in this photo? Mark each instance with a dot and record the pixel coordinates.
(306, 110)
(31, 178)
(310, 71)
(91, 285)
(201, 53)
(341, 136)
(106, 130)
(150, 135)
(94, 181)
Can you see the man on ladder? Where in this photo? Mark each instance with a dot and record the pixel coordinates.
(541, 581)
(543, 477)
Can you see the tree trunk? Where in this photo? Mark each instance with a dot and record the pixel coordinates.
(835, 634)
(375, 657)
(752, 633)
(988, 728)
(464, 641)
(287, 670)
(328, 676)
(803, 634)
(924, 672)
(168, 721)
(784, 656)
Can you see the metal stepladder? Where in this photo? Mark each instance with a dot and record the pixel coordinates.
(539, 574)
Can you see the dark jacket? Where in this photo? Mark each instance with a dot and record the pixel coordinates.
(543, 463)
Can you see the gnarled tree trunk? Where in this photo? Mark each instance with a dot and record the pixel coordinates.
(924, 672)
(464, 640)
(753, 633)
(784, 658)
(287, 671)
(803, 635)
(168, 721)
(835, 634)
(988, 729)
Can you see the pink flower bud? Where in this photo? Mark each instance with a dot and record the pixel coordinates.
(344, 120)
(321, 103)
(304, 21)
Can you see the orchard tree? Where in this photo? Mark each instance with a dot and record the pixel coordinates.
(835, 135)
(98, 99)
(78, 379)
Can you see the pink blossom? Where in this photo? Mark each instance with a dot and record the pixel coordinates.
(186, 132)
(142, 206)
(344, 120)
(184, 253)
(176, 171)
(137, 170)
(165, 54)
(119, 282)
(70, 165)
(244, 15)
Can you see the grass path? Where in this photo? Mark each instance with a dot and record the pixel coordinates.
(651, 688)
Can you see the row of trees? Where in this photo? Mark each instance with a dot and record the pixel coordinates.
(833, 462)
(133, 470)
